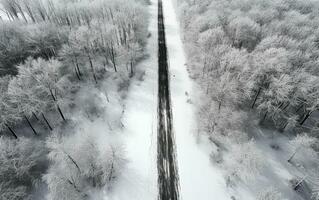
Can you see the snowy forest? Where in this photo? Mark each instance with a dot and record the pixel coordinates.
(61, 62)
(159, 99)
(257, 64)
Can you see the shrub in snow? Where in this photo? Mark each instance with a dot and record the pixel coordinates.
(216, 155)
(301, 186)
(22, 163)
(246, 162)
(77, 166)
(223, 122)
(269, 194)
(275, 146)
(301, 143)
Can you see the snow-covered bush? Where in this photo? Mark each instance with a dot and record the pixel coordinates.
(22, 163)
(269, 194)
(78, 165)
(302, 144)
(226, 122)
(246, 161)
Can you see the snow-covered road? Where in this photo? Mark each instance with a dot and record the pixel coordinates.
(198, 177)
(168, 185)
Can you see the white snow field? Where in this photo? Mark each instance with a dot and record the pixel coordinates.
(139, 182)
(199, 179)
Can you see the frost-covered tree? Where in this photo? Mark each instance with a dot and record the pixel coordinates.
(46, 86)
(77, 168)
(85, 41)
(22, 163)
(12, 47)
(244, 32)
(301, 142)
(45, 39)
(19, 41)
(8, 115)
(108, 44)
(266, 66)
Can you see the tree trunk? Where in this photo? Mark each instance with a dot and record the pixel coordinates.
(219, 106)
(256, 97)
(11, 131)
(282, 129)
(8, 16)
(22, 13)
(284, 108)
(107, 97)
(132, 70)
(280, 105)
(92, 68)
(34, 131)
(77, 74)
(113, 58)
(305, 118)
(60, 111)
(52, 95)
(77, 66)
(111, 172)
(299, 108)
(112, 165)
(208, 87)
(204, 67)
(264, 118)
(292, 156)
(35, 116)
(73, 161)
(30, 13)
(47, 122)
(74, 186)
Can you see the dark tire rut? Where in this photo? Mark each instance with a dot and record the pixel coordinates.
(168, 181)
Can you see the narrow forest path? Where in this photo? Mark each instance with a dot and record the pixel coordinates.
(198, 178)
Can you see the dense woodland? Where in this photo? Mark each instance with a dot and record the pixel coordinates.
(48, 50)
(257, 62)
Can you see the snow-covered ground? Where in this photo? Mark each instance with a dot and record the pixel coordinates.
(139, 181)
(3, 16)
(199, 179)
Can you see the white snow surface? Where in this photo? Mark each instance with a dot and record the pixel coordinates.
(199, 179)
(139, 181)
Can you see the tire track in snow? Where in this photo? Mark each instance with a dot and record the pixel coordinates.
(168, 181)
